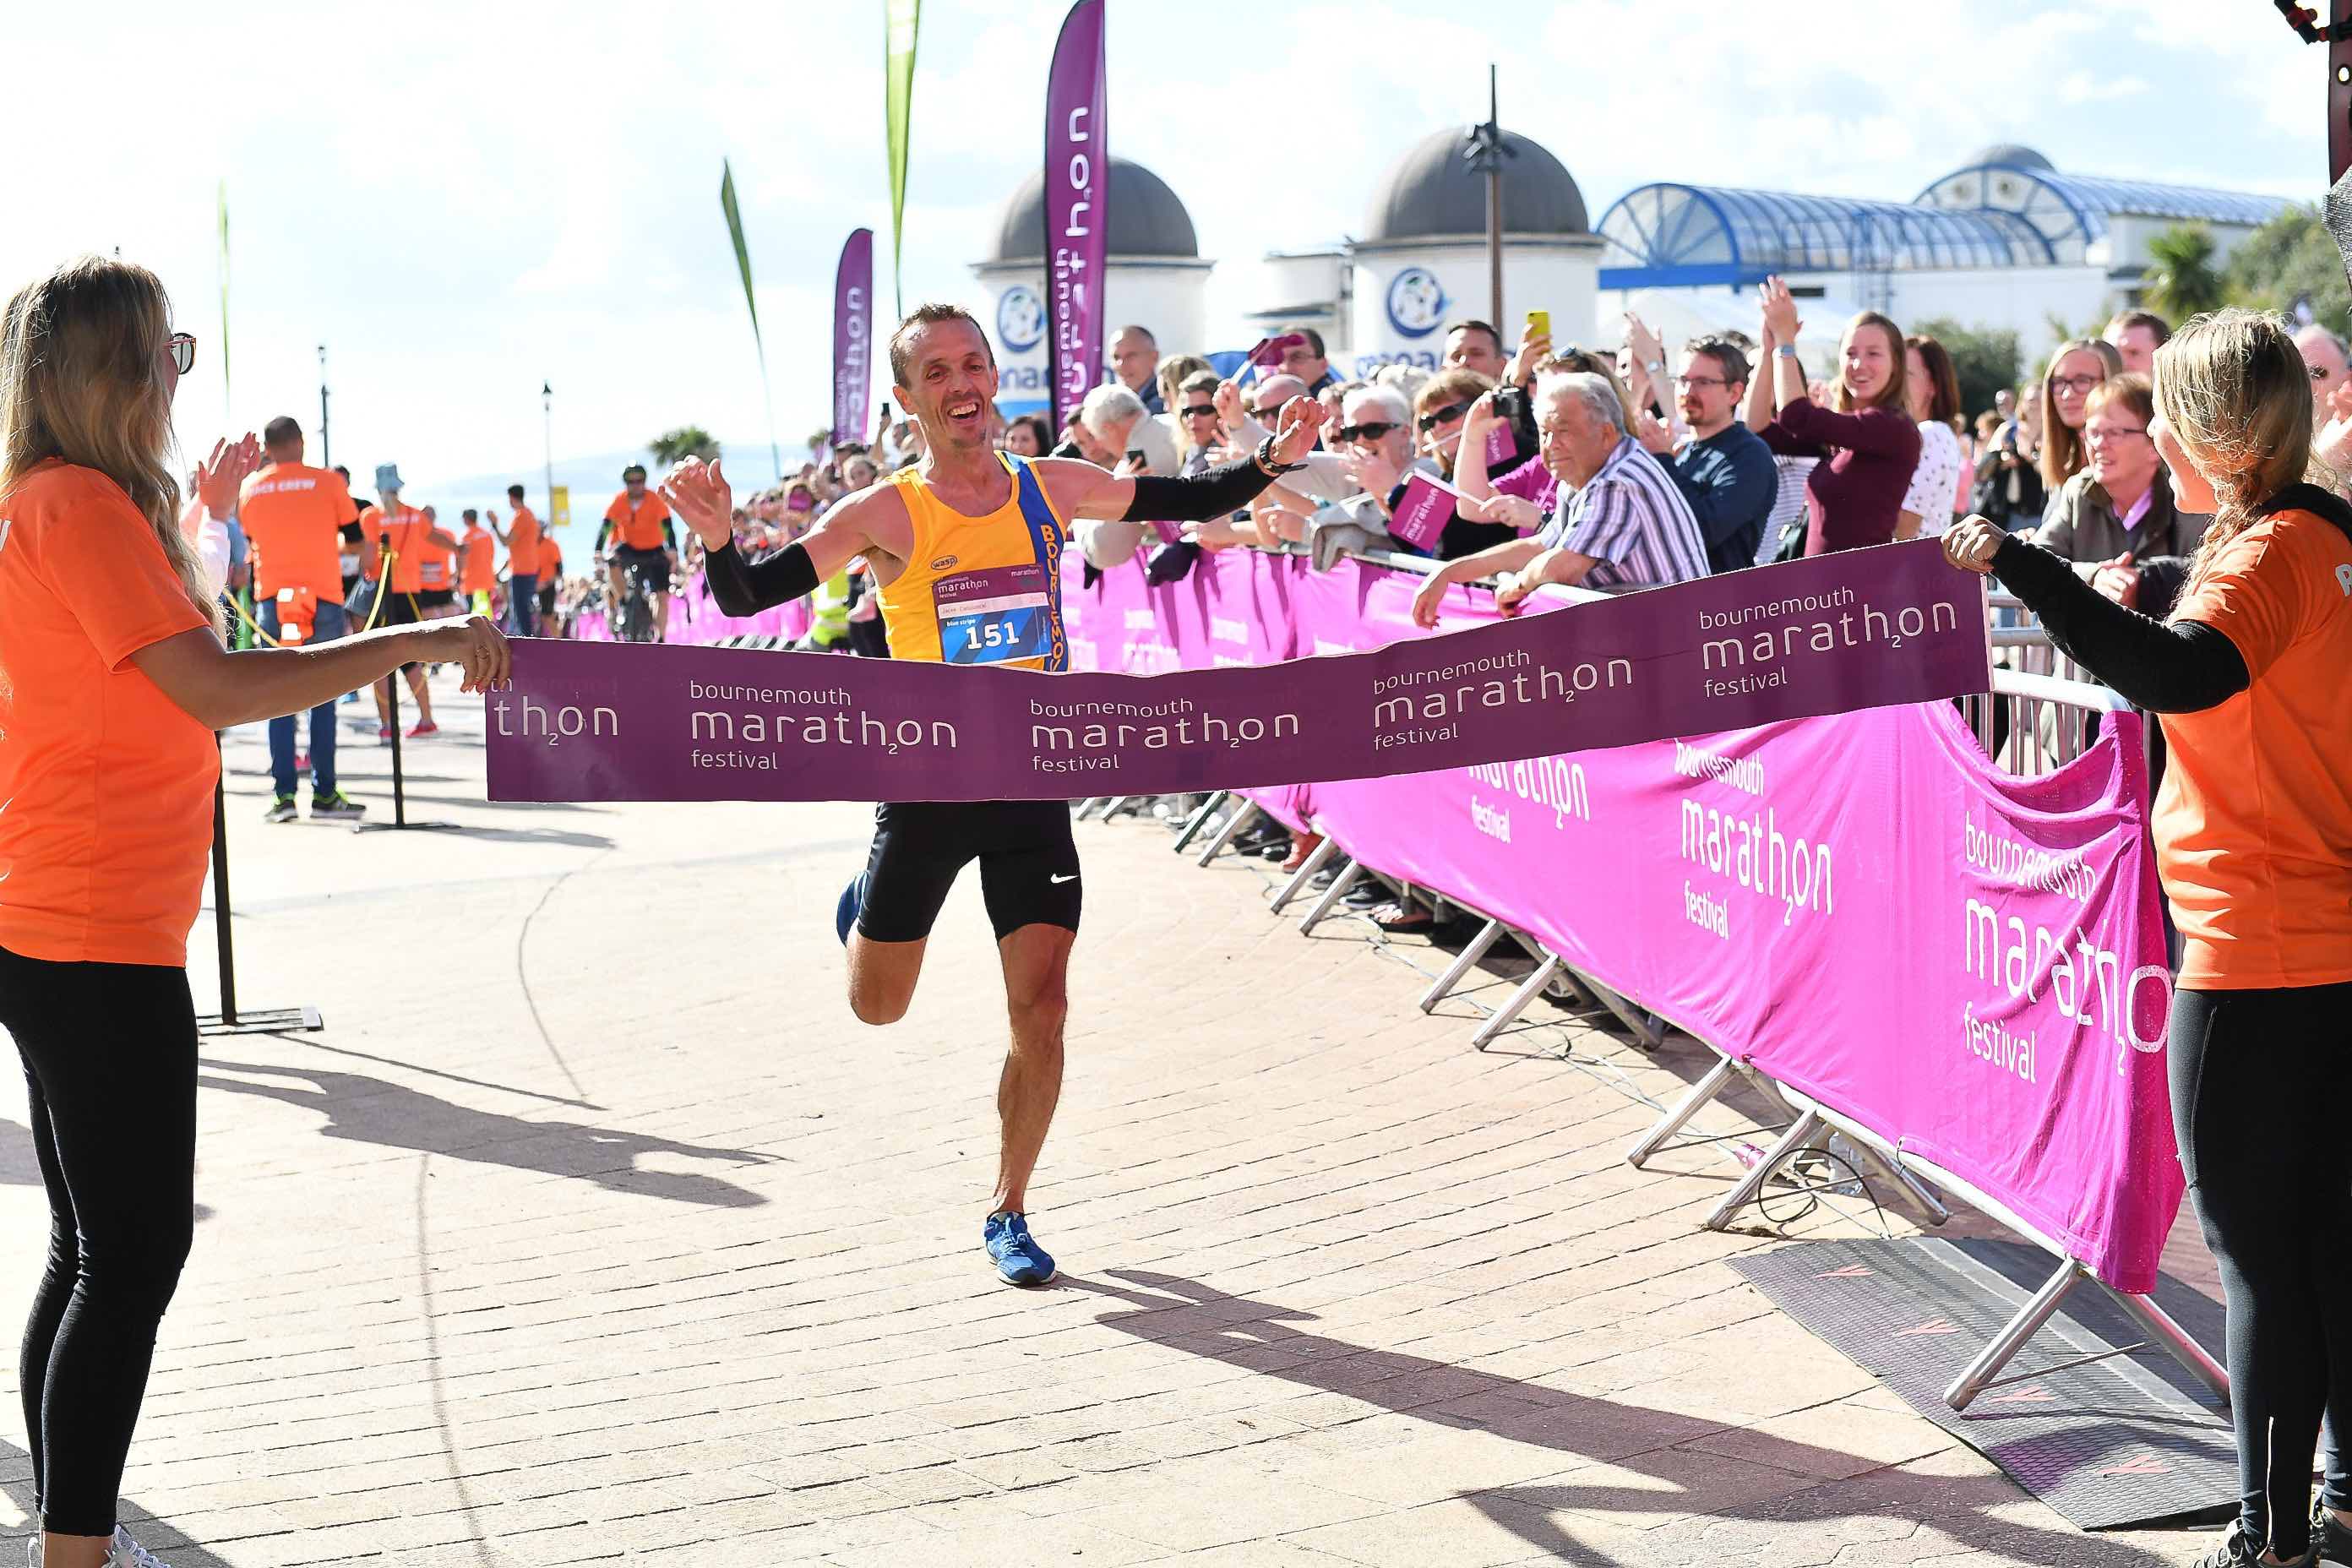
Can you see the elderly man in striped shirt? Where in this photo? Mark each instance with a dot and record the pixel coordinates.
(1623, 524)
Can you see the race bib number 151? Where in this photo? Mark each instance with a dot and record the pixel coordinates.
(994, 617)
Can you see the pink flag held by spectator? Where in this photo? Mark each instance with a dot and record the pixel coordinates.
(1421, 514)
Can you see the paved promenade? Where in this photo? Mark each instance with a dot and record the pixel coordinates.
(593, 1228)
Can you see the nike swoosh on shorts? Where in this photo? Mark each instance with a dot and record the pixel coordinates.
(1057, 881)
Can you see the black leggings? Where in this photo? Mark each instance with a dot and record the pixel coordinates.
(2260, 1081)
(109, 1053)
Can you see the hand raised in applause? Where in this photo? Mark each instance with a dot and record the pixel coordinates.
(220, 475)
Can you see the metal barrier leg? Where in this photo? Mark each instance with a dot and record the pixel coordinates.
(1308, 868)
(1529, 989)
(1087, 807)
(2164, 1331)
(1688, 1105)
(1332, 894)
(1200, 819)
(2012, 1339)
(1740, 1196)
(1930, 1207)
(1647, 1034)
(1232, 829)
(1461, 965)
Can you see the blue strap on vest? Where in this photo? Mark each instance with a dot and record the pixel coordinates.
(1045, 538)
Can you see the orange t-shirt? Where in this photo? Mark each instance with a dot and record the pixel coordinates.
(106, 784)
(522, 544)
(2253, 823)
(638, 527)
(404, 532)
(551, 557)
(479, 572)
(436, 565)
(294, 514)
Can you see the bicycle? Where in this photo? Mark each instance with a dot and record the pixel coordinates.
(632, 618)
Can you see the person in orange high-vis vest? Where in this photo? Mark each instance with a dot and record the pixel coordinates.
(523, 575)
(405, 541)
(477, 563)
(114, 682)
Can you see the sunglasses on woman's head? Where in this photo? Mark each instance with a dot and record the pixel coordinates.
(184, 351)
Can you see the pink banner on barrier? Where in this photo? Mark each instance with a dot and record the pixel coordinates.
(1969, 963)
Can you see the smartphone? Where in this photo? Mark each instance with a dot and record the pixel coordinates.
(1539, 324)
(1134, 455)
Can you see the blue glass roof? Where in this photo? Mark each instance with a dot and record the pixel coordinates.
(2072, 210)
(1682, 236)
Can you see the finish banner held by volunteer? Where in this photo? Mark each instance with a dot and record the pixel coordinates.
(1864, 628)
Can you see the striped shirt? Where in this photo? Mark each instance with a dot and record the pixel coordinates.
(1634, 524)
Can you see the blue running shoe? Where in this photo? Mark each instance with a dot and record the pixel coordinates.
(845, 914)
(1019, 1259)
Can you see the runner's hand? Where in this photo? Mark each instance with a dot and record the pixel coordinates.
(220, 475)
(2118, 580)
(699, 492)
(1972, 542)
(475, 645)
(1300, 422)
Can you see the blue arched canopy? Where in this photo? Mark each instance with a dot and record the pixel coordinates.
(1677, 235)
(2070, 211)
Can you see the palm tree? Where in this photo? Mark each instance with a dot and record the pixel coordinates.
(2183, 281)
(685, 441)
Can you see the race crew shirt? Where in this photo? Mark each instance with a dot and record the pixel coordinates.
(106, 784)
(294, 515)
(638, 527)
(522, 544)
(2254, 818)
(405, 531)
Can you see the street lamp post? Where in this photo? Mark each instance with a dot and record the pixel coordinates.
(547, 430)
(1486, 149)
(326, 452)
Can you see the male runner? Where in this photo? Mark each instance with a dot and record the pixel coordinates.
(966, 545)
(643, 536)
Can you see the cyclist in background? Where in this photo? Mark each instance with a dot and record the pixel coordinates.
(645, 537)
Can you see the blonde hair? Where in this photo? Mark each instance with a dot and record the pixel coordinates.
(2063, 453)
(2231, 386)
(81, 380)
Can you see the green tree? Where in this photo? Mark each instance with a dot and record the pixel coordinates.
(1984, 361)
(2182, 280)
(2291, 258)
(685, 441)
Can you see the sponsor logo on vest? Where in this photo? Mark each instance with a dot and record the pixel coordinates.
(944, 562)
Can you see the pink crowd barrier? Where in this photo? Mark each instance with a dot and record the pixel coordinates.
(695, 621)
(1967, 964)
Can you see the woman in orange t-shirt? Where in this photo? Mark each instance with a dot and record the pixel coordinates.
(2253, 834)
(112, 679)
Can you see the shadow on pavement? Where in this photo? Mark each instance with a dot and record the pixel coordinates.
(1186, 1314)
(370, 1111)
(158, 1536)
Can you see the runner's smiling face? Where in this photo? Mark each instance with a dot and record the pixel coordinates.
(954, 383)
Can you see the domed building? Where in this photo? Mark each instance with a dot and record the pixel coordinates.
(1154, 276)
(1384, 297)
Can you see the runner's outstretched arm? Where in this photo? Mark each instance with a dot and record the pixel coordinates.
(1085, 491)
(699, 492)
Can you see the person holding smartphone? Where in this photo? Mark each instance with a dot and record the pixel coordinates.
(112, 679)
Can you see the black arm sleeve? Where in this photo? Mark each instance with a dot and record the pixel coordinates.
(2179, 667)
(744, 589)
(1210, 493)
(352, 533)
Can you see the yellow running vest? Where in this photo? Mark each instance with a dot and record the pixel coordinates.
(979, 590)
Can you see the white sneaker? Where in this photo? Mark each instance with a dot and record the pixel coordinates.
(124, 1552)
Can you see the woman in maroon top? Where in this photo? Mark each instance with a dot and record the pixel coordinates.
(1866, 438)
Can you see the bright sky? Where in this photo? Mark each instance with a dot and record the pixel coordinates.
(461, 201)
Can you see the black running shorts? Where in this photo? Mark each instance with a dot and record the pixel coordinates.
(1028, 865)
(653, 563)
